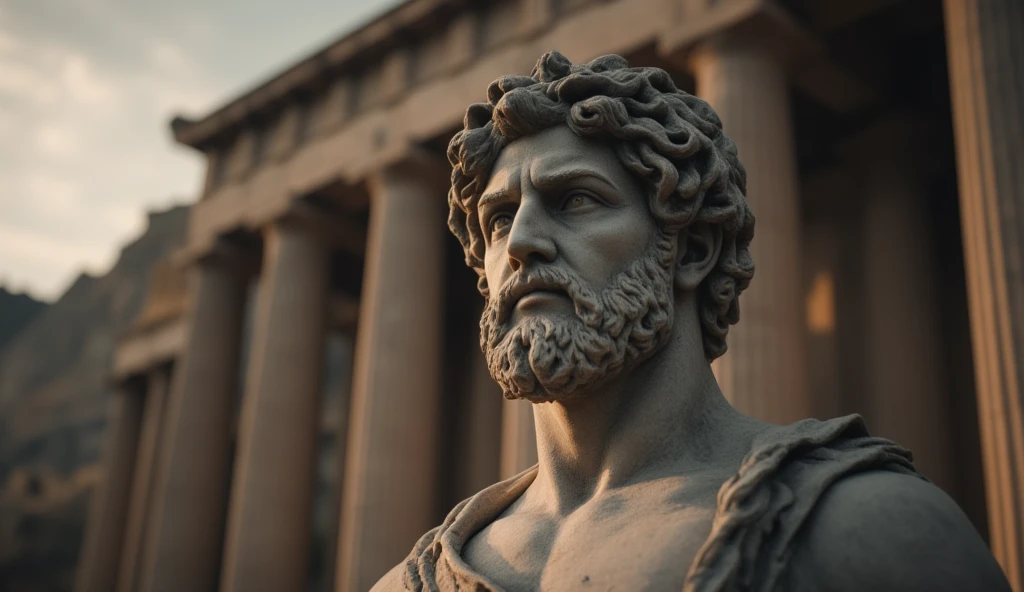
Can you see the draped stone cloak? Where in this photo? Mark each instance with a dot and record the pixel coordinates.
(760, 510)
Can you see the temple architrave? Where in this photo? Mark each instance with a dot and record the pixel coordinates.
(304, 394)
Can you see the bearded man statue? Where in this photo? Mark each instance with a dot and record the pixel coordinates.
(604, 211)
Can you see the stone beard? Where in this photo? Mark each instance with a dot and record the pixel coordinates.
(612, 307)
(551, 359)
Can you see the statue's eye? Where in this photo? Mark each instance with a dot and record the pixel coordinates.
(499, 223)
(576, 200)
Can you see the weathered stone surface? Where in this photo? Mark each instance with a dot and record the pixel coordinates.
(185, 535)
(605, 213)
(392, 444)
(764, 373)
(268, 530)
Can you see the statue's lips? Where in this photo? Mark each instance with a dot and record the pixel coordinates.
(540, 296)
(527, 293)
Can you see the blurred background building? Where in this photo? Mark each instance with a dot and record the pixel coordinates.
(298, 389)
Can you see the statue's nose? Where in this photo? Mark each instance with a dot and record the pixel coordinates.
(530, 239)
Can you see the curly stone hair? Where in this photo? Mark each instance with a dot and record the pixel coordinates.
(671, 140)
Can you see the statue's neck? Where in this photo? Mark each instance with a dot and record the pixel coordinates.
(666, 417)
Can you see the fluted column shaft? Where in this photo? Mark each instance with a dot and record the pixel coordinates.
(483, 425)
(986, 66)
(143, 479)
(183, 547)
(108, 509)
(763, 374)
(905, 394)
(389, 490)
(269, 518)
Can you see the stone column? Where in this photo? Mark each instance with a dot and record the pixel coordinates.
(518, 438)
(483, 425)
(905, 396)
(986, 71)
(764, 372)
(101, 552)
(272, 493)
(143, 482)
(389, 494)
(183, 547)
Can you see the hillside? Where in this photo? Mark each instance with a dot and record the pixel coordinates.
(16, 311)
(53, 398)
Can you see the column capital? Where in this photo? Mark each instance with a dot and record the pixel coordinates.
(764, 372)
(758, 23)
(768, 28)
(392, 442)
(276, 449)
(225, 252)
(411, 163)
(139, 351)
(182, 546)
(330, 228)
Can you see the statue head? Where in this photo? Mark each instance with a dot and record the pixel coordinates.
(580, 190)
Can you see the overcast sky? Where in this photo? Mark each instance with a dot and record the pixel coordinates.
(87, 88)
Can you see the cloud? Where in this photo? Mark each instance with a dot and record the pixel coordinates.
(39, 248)
(37, 262)
(27, 75)
(199, 28)
(20, 82)
(51, 194)
(168, 56)
(174, 81)
(87, 88)
(81, 82)
(57, 140)
(95, 152)
(8, 43)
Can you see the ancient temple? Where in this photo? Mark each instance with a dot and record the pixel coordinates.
(304, 394)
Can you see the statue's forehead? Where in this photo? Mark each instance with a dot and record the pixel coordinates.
(546, 153)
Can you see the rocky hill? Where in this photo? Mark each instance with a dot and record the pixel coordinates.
(53, 398)
(16, 311)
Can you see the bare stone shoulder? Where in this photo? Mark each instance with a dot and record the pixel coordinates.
(883, 531)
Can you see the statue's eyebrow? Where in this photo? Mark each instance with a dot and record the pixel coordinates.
(547, 181)
(498, 195)
(557, 178)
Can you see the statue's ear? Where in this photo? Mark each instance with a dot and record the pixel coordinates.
(699, 247)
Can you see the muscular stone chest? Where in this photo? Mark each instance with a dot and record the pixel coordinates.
(620, 540)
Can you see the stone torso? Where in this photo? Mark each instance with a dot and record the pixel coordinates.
(628, 538)
(717, 530)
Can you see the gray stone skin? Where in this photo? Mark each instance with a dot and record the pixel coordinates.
(764, 515)
(647, 478)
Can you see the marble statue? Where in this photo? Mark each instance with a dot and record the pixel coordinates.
(604, 212)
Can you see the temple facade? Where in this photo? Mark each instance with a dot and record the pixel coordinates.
(304, 395)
